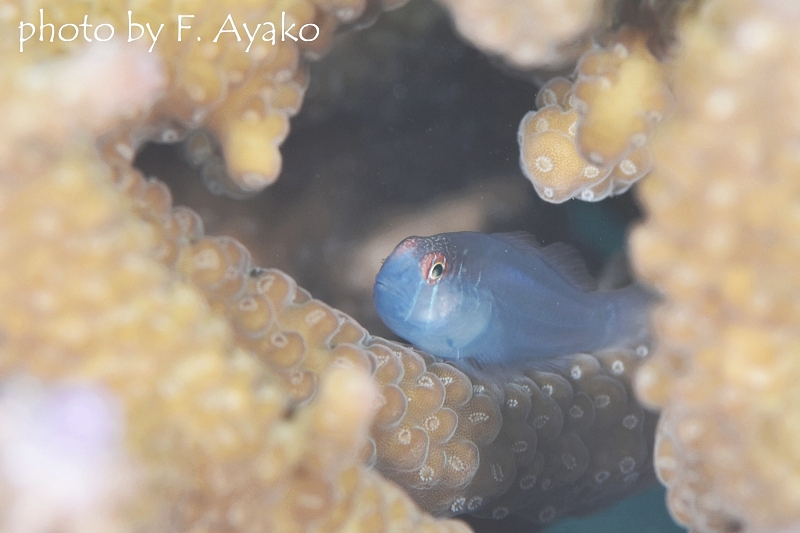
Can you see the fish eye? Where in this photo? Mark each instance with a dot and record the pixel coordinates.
(434, 266)
(436, 271)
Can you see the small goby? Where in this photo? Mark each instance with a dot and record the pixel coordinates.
(502, 298)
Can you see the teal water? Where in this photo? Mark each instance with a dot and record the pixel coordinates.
(644, 513)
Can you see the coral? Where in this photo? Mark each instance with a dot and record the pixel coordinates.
(550, 35)
(721, 242)
(588, 138)
(90, 307)
(243, 402)
(240, 83)
(137, 76)
(527, 33)
(620, 91)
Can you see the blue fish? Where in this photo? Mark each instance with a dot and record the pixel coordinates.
(502, 298)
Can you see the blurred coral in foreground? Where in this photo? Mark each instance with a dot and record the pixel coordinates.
(553, 34)
(527, 33)
(125, 348)
(61, 457)
(721, 242)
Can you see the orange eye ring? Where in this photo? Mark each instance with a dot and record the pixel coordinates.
(433, 266)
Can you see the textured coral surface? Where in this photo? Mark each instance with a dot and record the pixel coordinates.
(91, 304)
(587, 138)
(721, 241)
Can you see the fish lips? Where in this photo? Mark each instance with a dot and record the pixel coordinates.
(389, 302)
(393, 292)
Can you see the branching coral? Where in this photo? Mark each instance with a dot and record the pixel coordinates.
(588, 139)
(541, 34)
(225, 380)
(87, 300)
(721, 241)
(234, 68)
(244, 402)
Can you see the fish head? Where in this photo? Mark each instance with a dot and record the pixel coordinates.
(423, 295)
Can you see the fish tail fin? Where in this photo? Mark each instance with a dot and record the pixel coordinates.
(630, 326)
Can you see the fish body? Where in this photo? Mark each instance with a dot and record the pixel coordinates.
(500, 298)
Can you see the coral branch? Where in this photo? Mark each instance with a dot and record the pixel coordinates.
(721, 242)
(588, 140)
(212, 439)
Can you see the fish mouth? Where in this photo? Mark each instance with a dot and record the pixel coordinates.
(383, 287)
(387, 297)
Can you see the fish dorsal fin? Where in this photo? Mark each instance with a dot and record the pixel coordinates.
(568, 261)
(519, 239)
(562, 257)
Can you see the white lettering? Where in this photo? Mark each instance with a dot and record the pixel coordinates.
(110, 35)
(304, 27)
(251, 37)
(154, 37)
(284, 31)
(42, 26)
(181, 26)
(131, 24)
(61, 37)
(232, 30)
(270, 32)
(85, 25)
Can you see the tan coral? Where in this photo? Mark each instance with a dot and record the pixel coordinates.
(556, 92)
(229, 375)
(87, 298)
(721, 243)
(527, 33)
(619, 93)
(550, 157)
(240, 83)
